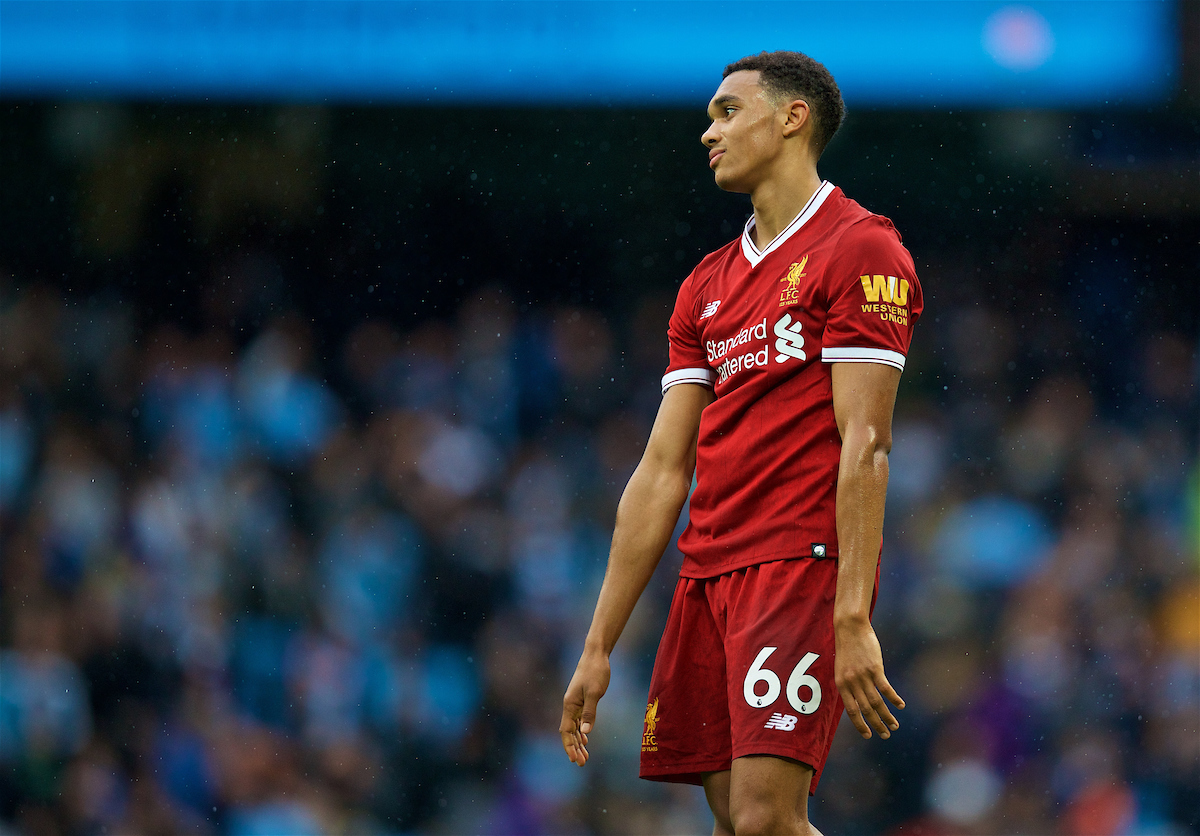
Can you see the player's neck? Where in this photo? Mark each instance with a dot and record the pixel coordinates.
(778, 201)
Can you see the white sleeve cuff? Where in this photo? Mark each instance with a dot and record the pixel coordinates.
(863, 355)
(705, 377)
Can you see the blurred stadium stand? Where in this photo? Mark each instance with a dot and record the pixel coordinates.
(314, 417)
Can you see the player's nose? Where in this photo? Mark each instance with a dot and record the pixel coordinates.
(710, 137)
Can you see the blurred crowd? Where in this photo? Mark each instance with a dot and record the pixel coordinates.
(260, 580)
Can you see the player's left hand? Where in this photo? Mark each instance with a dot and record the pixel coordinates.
(858, 673)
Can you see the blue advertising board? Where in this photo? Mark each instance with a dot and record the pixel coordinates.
(668, 52)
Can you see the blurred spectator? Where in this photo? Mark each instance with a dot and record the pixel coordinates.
(43, 695)
(249, 590)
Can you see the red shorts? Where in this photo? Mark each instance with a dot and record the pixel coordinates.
(745, 667)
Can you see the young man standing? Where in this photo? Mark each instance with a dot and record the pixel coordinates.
(786, 348)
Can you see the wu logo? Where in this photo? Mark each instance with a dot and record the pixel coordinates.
(887, 289)
(790, 342)
(783, 722)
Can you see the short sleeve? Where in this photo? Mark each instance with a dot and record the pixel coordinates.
(688, 361)
(875, 297)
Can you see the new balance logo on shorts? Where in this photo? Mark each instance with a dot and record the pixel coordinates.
(783, 722)
(710, 309)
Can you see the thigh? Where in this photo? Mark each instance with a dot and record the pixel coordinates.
(686, 730)
(779, 650)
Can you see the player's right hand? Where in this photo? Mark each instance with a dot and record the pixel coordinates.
(579, 704)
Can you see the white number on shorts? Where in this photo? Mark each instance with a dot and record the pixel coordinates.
(757, 674)
(800, 678)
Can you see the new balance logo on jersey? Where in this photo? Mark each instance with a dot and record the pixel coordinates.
(710, 309)
(783, 722)
(790, 343)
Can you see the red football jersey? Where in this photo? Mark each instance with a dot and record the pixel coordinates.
(760, 328)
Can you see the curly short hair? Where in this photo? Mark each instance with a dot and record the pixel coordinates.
(785, 75)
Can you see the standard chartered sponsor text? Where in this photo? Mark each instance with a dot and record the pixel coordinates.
(742, 361)
(719, 348)
(790, 345)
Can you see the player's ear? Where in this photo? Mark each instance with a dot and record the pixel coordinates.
(796, 114)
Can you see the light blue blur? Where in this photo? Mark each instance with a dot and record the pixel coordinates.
(930, 52)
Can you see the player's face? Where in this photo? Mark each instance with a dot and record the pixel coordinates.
(745, 135)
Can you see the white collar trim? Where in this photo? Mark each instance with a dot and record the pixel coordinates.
(752, 253)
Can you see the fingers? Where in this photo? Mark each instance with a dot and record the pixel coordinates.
(577, 721)
(890, 693)
(586, 688)
(574, 744)
(873, 713)
(578, 752)
(880, 718)
(574, 741)
(587, 717)
(867, 709)
(855, 715)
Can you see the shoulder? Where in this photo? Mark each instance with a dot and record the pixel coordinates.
(867, 237)
(712, 265)
(867, 244)
(719, 256)
(854, 222)
(862, 228)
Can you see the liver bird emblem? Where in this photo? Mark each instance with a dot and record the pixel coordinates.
(651, 716)
(795, 273)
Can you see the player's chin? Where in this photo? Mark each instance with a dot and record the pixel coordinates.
(727, 181)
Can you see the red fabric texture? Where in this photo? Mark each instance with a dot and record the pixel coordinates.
(767, 458)
(698, 718)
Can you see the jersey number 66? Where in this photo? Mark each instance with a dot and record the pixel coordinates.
(800, 678)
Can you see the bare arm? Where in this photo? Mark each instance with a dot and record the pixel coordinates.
(864, 395)
(646, 516)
